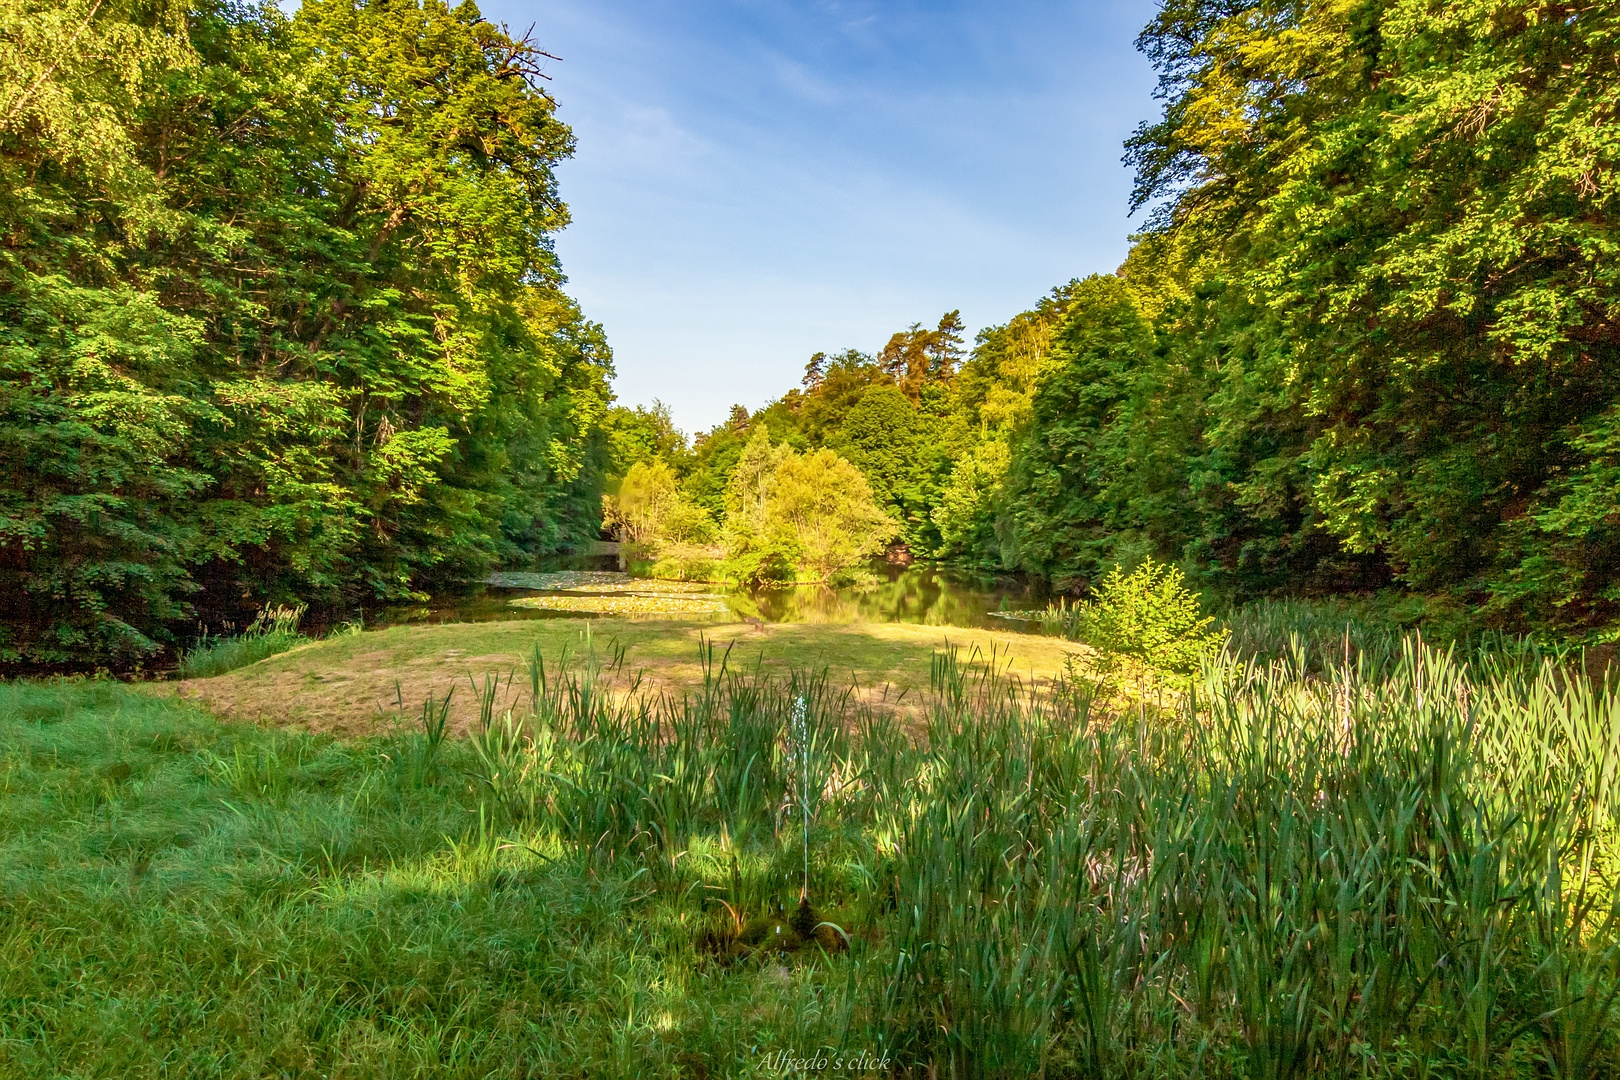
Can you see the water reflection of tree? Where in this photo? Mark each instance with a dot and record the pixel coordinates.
(918, 594)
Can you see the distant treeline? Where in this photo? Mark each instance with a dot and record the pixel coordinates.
(279, 315)
(1369, 336)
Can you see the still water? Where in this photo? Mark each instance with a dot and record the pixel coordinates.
(926, 594)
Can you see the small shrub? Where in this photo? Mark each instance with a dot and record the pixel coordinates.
(1149, 616)
(762, 560)
(263, 771)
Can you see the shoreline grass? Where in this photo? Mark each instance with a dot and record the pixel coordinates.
(273, 631)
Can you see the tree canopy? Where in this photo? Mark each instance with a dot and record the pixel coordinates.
(1386, 233)
(279, 315)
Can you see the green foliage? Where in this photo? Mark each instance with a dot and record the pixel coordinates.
(1067, 513)
(641, 435)
(73, 73)
(1147, 615)
(686, 562)
(987, 411)
(883, 413)
(832, 388)
(714, 456)
(898, 450)
(649, 510)
(94, 507)
(419, 759)
(758, 549)
(1396, 217)
(789, 517)
(798, 517)
(665, 533)
(279, 315)
(970, 504)
(821, 507)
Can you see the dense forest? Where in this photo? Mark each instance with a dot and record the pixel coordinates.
(1369, 336)
(279, 315)
(280, 321)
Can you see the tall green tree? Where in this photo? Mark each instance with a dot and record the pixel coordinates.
(279, 317)
(1409, 208)
(987, 411)
(642, 434)
(897, 448)
(1068, 514)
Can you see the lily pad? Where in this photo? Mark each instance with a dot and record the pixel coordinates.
(561, 579)
(626, 604)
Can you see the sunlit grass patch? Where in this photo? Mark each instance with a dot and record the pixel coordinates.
(355, 683)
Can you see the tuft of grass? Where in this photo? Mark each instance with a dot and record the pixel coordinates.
(274, 630)
(424, 758)
(1295, 871)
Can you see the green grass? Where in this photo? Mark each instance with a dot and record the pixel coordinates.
(348, 682)
(1291, 876)
(274, 631)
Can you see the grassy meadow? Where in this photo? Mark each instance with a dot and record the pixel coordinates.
(358, 683)
(1283, 873)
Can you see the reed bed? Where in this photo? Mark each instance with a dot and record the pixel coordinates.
(1294, 869)
(1287, 873)
(1370, 632)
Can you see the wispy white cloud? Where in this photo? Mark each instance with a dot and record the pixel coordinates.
(805, 83)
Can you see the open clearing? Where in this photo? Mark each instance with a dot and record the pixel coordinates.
(354, 684)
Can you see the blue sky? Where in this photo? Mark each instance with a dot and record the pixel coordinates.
(759, 179)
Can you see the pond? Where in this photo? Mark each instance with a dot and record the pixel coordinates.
(927, 594)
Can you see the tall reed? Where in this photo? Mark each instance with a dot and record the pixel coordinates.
(1394, 872)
